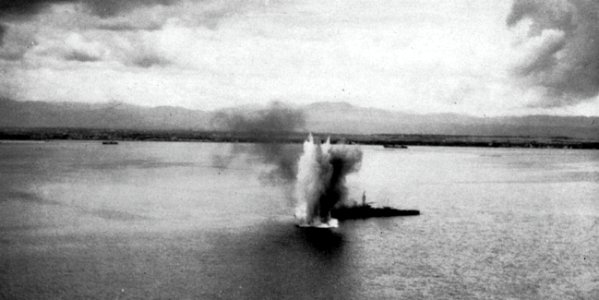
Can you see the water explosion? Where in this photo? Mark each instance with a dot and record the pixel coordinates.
(320, 184)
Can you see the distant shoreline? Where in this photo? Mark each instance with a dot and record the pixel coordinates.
(41, 134)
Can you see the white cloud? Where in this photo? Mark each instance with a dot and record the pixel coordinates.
(424, 56)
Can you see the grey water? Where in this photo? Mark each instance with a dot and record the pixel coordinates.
(207, 221)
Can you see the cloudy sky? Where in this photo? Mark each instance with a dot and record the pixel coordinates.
(466, 56)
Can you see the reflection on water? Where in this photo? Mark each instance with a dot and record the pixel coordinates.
(196, 220)
(280, 261)
(272, 261)
(324, 242)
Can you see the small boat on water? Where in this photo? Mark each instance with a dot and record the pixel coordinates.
(110, 143)
(395, 146)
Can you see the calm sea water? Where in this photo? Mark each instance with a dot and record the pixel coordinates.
(207, 221)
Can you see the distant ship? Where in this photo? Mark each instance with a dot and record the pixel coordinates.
(366, 210)
(395, 146)
(110, 143)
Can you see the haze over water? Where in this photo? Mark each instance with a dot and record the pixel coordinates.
(202, 220)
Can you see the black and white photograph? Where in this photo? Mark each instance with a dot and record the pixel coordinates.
(299, 149)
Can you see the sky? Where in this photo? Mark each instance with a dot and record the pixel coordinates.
(478, 57)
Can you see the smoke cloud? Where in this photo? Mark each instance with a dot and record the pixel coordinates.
(564, 48)
(320, 182)
(270, 126)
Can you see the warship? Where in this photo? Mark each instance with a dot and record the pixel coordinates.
(367, 210)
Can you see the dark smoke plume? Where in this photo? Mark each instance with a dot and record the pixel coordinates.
(342, 161)
(320, 182)
(566, 60)
(270, 126)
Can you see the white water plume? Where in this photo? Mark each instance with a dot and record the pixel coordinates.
(321, 180)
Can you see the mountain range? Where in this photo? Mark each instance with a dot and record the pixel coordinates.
(323, 117)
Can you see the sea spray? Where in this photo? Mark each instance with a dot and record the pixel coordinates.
(320, 181)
